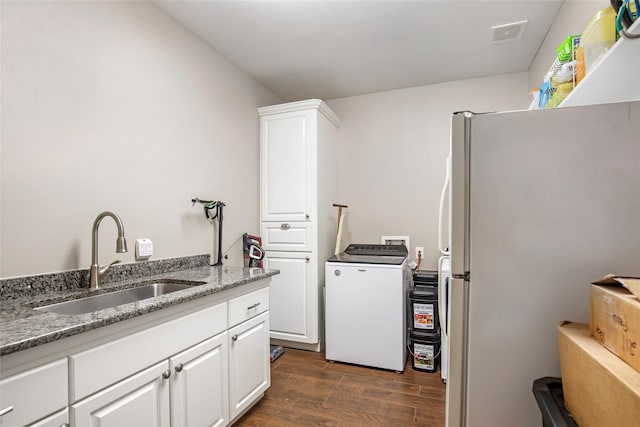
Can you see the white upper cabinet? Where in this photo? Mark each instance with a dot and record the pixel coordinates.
(286, 161)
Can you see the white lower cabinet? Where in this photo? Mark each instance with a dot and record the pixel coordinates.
(293, 299)
(203, 365)
(249, 372)
(140, 400)
(199, 381)
(189, 389)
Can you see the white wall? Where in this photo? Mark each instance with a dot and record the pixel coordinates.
(392, 148)
(572, 18)
(115, 106)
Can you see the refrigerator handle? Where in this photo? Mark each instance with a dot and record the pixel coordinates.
(443, 197)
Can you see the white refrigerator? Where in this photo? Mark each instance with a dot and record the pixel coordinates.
(542, 203)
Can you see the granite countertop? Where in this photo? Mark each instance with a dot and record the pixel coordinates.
(22, 327)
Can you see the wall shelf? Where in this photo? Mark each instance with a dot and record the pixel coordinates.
(614, 78)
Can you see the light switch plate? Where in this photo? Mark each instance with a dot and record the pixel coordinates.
(144, 249)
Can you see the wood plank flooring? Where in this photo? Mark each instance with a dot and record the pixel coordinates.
(306, 390)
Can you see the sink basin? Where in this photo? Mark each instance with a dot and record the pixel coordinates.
(113, 299)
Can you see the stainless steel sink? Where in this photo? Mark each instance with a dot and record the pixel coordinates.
(113, 299)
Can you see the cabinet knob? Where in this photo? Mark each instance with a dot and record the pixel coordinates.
(64, 425)
(285, 226)
(179, 367)
(234, 338)
(6, 410)
(166, 374)
(308, 259)
(307, 216)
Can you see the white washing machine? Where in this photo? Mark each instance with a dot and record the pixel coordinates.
(365, 306)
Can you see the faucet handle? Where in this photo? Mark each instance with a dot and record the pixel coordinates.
(102, 270)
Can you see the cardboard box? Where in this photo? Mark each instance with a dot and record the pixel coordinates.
(631, 283)
(615, 322)
(599, 388)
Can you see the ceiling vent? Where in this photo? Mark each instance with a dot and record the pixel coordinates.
(501, 33)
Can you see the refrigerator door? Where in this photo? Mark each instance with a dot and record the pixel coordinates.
(459, 197)
(458, 285)
(551, 205)
(457, 382)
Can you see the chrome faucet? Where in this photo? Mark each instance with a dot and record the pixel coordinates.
(98, 272)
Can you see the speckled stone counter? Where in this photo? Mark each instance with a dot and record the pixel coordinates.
(22, 327)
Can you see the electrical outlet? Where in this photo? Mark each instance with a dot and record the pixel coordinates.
(419, 252)
(144, 249)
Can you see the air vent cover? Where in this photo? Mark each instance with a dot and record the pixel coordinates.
(501, 33)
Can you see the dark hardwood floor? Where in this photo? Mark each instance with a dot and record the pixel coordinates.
(306, 390)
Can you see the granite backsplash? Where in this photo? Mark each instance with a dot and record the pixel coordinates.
(24, 286)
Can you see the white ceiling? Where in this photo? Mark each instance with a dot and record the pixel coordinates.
(332, 49)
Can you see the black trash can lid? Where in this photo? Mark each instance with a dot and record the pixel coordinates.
(426, 276)
(548, 394)
(431, 337)
(423, 292)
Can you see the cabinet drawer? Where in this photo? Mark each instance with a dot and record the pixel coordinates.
(101, 366)
(286, 236)
(58, 419)
(247, 306)
(34, 393)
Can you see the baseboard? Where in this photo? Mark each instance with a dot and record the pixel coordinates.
(317, 347)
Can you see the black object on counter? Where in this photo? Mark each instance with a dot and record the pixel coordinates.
(208, 206)
(548, 394)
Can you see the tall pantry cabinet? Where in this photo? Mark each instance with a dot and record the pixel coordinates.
(298, 186)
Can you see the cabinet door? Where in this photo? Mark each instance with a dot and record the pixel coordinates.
(249, 374)
(140, 400)
(293, 297)
(199, 384)
(286, 159)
